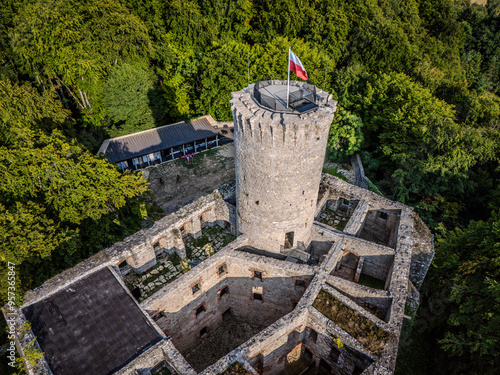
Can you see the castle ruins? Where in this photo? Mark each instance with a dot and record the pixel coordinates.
(315, 278)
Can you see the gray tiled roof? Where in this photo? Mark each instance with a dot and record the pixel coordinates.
(92, 326)
(157, 139)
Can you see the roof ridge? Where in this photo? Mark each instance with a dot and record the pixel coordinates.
(145, 131)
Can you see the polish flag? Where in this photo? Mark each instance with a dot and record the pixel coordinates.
(297, 67)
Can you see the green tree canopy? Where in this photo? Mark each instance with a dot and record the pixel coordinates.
(131, 100)
(51, 185)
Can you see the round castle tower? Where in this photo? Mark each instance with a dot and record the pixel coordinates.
(279, 159)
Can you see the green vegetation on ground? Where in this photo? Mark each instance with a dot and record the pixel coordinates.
(366, 332)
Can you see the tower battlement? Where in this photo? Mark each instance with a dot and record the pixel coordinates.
(279, 159)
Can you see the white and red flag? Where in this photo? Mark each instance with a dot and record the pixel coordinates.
(297, 67)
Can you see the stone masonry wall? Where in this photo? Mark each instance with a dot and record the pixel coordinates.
(278, 289)
(279, 158)
(138, 249)
(178, 304)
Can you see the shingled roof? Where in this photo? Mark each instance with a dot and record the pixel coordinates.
(91, 327)
(148, 141)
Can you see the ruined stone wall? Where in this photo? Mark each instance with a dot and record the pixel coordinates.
(278, 287)
(422, 252)
(175, 306)
(279, 158)
(138, 249)
(378, 266)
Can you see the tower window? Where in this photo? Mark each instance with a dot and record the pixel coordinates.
(289, 240)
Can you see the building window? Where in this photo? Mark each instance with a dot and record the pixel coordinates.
(158, 315)
(300, 283)
(200, 309)
(334, 354)
(203, 332)
(313, 335)
(183, 230)
(156, 245)
(223, 291)
(325, 366)
(123, 264)
(257, 296)
(158, 367)
(257, 275)
(383, 215)
(195, 288)
(222, 269)
(226, 315)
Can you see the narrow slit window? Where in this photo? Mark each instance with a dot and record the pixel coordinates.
(289, 240)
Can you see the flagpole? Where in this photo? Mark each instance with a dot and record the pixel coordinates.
(326, 69)
(288, 83)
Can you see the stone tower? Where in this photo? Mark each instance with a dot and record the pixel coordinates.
(279, 159)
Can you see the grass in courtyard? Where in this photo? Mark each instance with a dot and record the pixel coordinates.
(362, 329)
(334, 172)
(212, 239)
(333, 219)
(198, 158)
(371, 282)
(169, 267)
(236, 369)
(164, 272)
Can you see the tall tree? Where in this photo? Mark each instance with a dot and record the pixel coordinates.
(67, 45)
(131, 100)
(51, 185)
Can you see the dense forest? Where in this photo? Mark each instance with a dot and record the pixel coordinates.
(418, 86)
